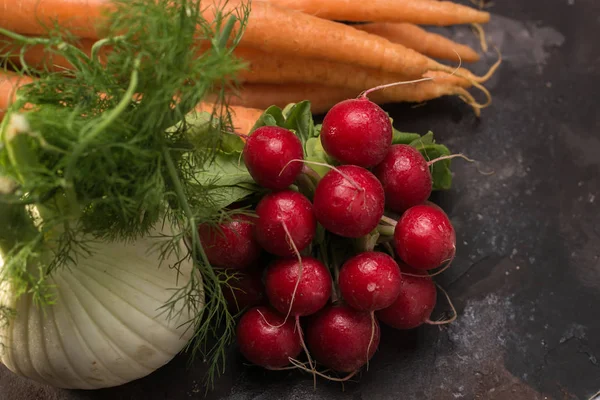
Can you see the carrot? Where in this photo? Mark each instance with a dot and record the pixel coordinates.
(9, 83)
(243, 118)
(277, 30)
(441, 13)
(322, 97)
(269, 28)
(417, 38)
(266, 67)
(33, 17)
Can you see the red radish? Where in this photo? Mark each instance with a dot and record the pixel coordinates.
(424, 237)
(230, 244)
(284, 216)
(267, 151)
(370, 281)
(265, 339)
(296, 289)
(349, 201)
(414, 304)
(357, 131)
(404, 174)
(244, 289)
(339, 336)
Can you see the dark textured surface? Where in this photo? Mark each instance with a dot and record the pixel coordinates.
(526, 280)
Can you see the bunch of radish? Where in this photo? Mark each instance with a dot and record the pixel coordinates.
(303, 302)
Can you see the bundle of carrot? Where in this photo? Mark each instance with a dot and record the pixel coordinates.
(296, 50)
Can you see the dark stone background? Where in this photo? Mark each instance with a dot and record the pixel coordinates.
(526, 280)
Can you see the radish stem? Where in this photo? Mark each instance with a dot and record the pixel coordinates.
(389, 220)
(385, 230)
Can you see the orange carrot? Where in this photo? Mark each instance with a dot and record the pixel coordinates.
(270, 28)
(278, 30)
(9, 83)
(243, 118)
(271, 68)
(323, 97)
(32, 17)
(417, 38)
(266, 67)
(440, 13)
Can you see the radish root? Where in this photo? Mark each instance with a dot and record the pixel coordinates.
(290, 240)
(454, 313)
(278, 368)
(449, 157)
(372, 336)
(321, 374)
(388, 85)
(306, 170)
(431, 162)
(438, 271)
(303, 343)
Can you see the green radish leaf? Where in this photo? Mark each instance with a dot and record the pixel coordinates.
(227, 180)
(404, 137)
(298, 118)
(223, 196)
(286, 110)
(317, 130)
(440, 171)
(316, 152)
(426, 139)
(232, 144)
(273, 116)
(224, 170)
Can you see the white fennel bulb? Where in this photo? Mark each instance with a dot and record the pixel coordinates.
(108, 324)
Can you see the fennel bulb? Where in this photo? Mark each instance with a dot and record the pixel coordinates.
(108, 324)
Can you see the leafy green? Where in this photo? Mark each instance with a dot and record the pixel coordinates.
(316, 152)
(227, 180)
(440, 170)
(272, 116)
(296, 117)
(404, 137)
